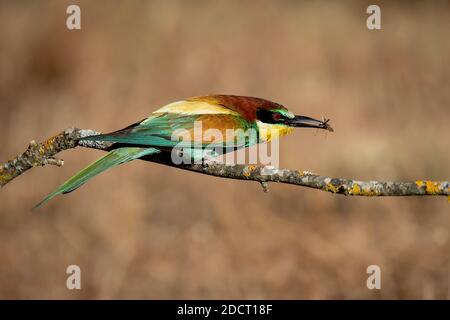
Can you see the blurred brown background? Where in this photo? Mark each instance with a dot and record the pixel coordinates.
(149, 231)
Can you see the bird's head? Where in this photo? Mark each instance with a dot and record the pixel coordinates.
(266, 112)
(279, 115)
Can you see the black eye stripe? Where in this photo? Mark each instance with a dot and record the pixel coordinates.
(268, 116)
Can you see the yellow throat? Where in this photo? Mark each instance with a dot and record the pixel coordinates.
(269, 131)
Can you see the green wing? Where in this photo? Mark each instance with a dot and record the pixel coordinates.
(155, 131)
(158, 131)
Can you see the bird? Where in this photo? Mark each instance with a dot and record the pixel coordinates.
(154, 135)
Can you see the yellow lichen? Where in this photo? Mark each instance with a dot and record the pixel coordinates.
(356, 190)
(248, 170)
(5, 178)
(49, 143)
(368, 193)
(432, 187)
(332, 188)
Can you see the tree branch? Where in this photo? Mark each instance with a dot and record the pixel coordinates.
(40, 154)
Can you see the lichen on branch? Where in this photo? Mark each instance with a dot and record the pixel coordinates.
(40, 154)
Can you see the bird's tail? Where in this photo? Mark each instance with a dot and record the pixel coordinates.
(111, 159)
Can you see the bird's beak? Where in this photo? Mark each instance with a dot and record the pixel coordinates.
(302, 121)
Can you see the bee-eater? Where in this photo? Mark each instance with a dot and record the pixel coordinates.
(220, 112)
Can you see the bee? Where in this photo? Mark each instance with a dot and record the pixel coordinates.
(325, 126)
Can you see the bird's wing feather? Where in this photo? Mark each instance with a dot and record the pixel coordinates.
(195, 107)
(111, 159)
(166, 130)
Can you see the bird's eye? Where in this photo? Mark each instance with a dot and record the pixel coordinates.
(276, 116)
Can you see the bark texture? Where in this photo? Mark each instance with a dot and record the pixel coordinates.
(40, 154)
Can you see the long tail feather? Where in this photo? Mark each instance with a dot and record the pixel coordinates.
(111, 159)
